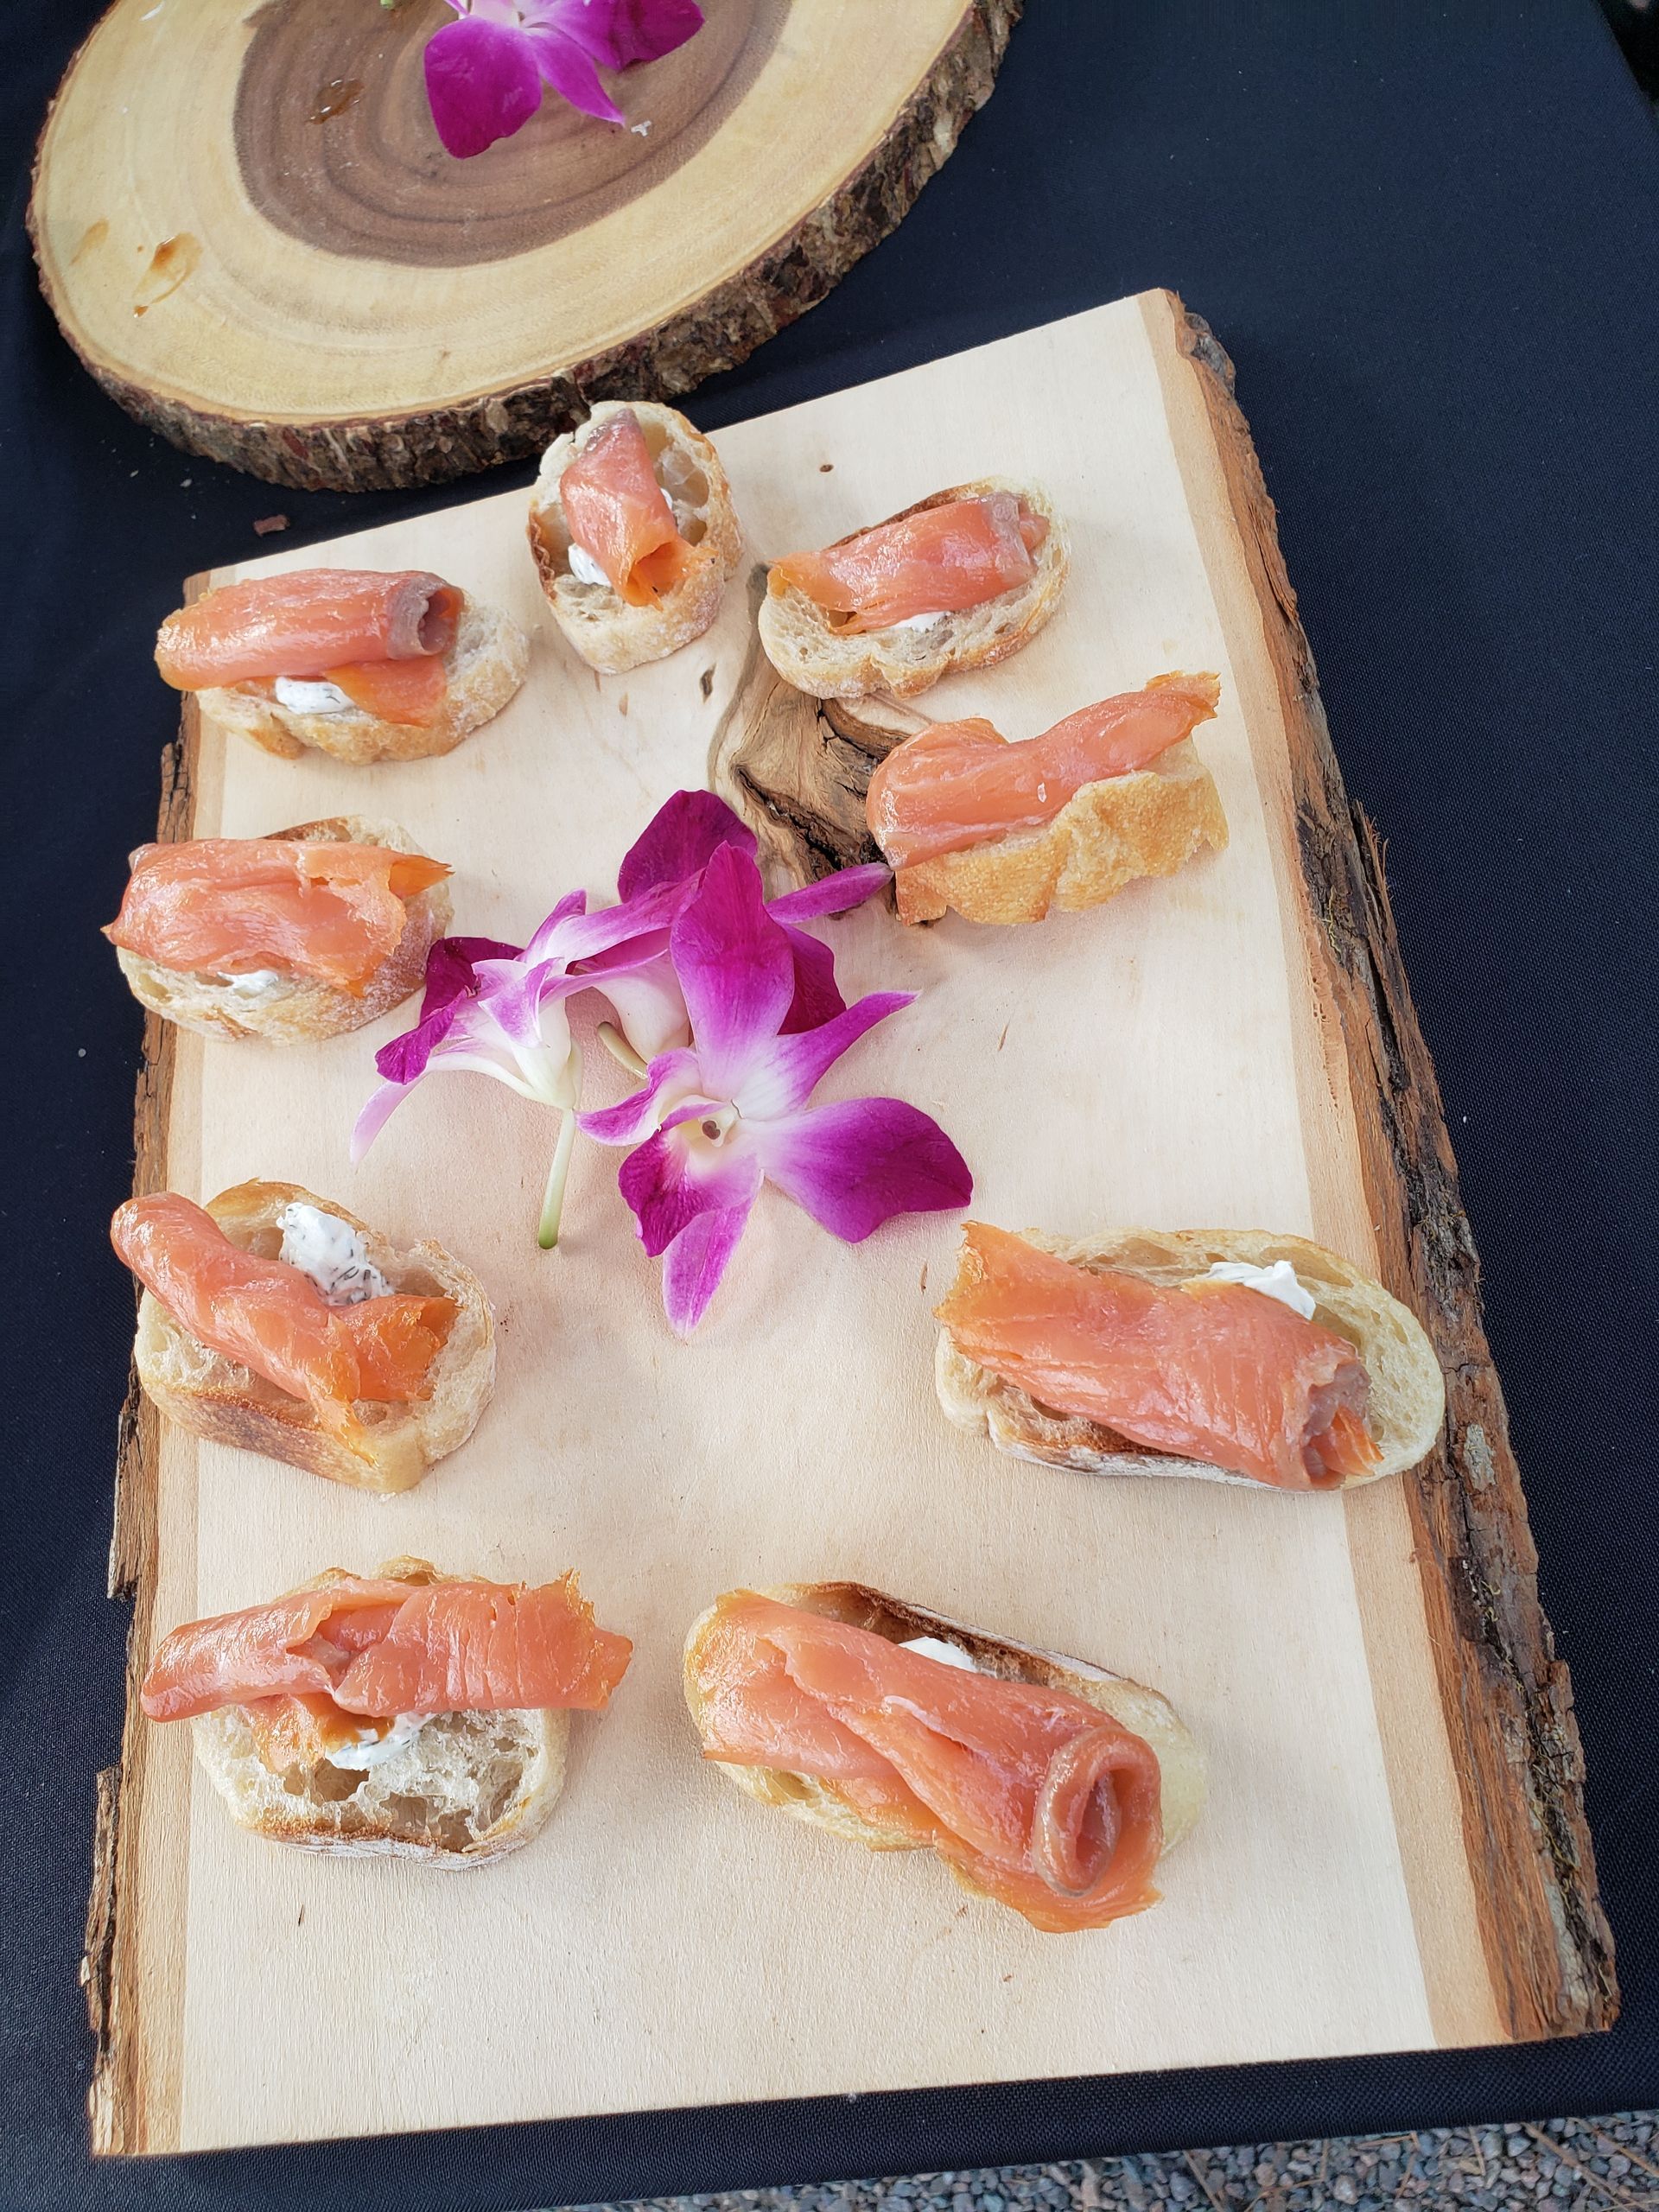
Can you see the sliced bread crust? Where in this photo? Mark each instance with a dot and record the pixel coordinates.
(609, 634)
(1144, 1712)
(466, 1789)
(216, 1397)
(803, 644)
(1408, 1400)
(297, 1009)
(1107, 836)
(486, 666)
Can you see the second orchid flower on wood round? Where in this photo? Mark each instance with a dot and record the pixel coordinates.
(486, 72)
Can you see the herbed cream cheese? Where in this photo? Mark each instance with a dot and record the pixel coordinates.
(933, 1646)
(377, 1748)
(303, 696)
(332, 1253)
(584, 567)
(254, 984)
(917, 621)
(1280, 1281)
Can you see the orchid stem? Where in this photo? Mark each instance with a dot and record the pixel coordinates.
(620, 1049)
(553, 1198)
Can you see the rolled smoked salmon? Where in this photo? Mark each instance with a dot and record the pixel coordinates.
(1206, 1369)
(335, 1666)
(233, 905)
(960, 784)
(619, 513)
(271, 1318)
(379, 637)
(936, 559)
(1033, 1795)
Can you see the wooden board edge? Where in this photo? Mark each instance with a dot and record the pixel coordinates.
(1506, 1698)
(715, 333)
(116, 2102)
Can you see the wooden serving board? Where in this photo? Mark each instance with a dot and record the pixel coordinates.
(248, 230)
(1395, 1854)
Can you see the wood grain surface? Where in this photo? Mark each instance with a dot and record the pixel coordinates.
(249, 230)
(1394, 1855)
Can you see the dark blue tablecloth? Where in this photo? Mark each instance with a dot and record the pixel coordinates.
(1428, 233)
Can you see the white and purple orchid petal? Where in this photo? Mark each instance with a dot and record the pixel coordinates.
(377, 1110)
(857, 1163)
(609, 930)
(483, 82)
(672, 1076)
(649, 1005)
(545, 944)
(619, 33)
(677, 1175)
(832, 894)
(694, 1262)
(514, 995)
(735, 968)
(451, 976)
(569, 67)
(679, 840)
(785, 1074)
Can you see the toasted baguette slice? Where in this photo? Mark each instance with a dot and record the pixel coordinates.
(1143, 1712)
(807, 650)
(609, 634)
(468, 1787)
(486, 666)
(214, 1397)
(1407, 1401)
(1149, 822)
(296, 1009)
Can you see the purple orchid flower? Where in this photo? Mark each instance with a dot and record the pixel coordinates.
(485, 73)
(677, 845)
(721, 1116)
(494, 1010)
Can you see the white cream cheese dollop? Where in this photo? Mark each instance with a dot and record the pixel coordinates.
(1280, 1281)
(254, 984)
(377, 1748)
(332, 1253)
(302, 696)
(584, 567)
(917, 622)
(933, 1646)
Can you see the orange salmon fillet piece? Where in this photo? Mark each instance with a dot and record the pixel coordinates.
(381, 1647)
(1208, 1370)
(230, 905)
(618, 512)
(1036, 1796)
(272, 1318)
(312, 623)
(936, 561)
(960, 784)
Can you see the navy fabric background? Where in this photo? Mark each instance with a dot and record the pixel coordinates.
(1428, 234)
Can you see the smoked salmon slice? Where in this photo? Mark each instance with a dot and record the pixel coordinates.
(271, 1318)
(1033, 1795)
(376, 1647)
(232, 906)
(1207, 1369)
(619, 513)
(320, 625)
(937, 560)
(960, 784)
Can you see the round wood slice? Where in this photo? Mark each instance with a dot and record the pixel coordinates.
(248, 232)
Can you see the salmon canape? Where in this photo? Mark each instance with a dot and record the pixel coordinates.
(1043, 1783)
(278, 1322)
(306, 934)
(633, 534)
(959, 580)
(406, 1713)
(1231, 1354)
(1002, 831)
(365, 664)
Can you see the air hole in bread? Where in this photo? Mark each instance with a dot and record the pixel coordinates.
(329, 1781)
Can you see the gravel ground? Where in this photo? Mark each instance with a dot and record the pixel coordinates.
(1578, 2165)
